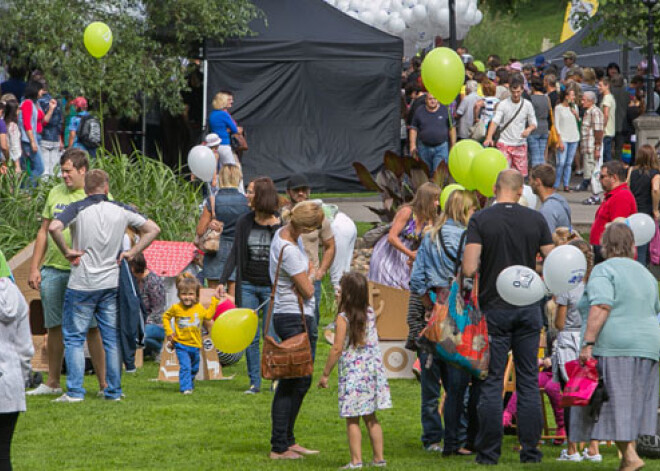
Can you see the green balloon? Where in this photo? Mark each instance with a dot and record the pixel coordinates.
(485, 167)
(443, 74)
(460, 162)
(480, 66)
(446, 191)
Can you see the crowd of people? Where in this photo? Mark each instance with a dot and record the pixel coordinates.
(279, 249)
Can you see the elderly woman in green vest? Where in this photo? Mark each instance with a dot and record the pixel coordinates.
(620, 329)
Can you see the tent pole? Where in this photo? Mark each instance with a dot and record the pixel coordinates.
(452, 24)
(144, 123)
(624, 61)
(205, 93)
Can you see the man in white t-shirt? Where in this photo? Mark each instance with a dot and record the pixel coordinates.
(97, 228)
(608, 107)
(516, 119)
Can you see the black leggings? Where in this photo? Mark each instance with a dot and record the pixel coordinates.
(7, 425)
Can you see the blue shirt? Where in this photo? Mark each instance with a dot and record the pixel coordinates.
(52, 130)
(230, 205)
(73, 127)
(431, 268)
(220, 122)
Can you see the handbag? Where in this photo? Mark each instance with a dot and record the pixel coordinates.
(499, 130)
(478, 131)
(654, 248)
(553, 134)
(458, 328)
(291, 358)
(582, 382)
(209, 242)
(238, 142)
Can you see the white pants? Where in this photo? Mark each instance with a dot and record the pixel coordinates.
(345, 233)
(50, 154)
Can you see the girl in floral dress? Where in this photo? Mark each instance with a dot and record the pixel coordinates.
(363, 387)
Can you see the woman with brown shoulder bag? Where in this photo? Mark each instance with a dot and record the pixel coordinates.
(292, 309)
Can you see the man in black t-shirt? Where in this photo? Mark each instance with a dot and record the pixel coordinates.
(498, 237)
(432, 133)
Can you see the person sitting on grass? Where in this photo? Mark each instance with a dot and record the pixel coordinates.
(363, 387)
(186, 336)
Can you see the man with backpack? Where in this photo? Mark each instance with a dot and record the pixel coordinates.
(84, 129)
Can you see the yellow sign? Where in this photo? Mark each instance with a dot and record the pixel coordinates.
(574, 12)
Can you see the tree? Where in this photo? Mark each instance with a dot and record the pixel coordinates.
(151, 39)
(619, 21)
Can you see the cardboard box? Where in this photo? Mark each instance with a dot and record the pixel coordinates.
(397, 360)
(40, 358)
(209, 367)
(391, 308)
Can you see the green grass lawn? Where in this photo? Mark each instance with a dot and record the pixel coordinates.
(219, 427)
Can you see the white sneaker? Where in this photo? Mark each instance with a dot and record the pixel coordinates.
(65, 398)
(187, 392)
(564, 456)
(593, 458)
(44, 390)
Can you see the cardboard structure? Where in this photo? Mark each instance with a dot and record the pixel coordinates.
(397, 360)
(20, 268)
(209, 367)
(391, 308)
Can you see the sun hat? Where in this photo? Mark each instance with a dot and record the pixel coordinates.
(212, 140)
(570, 55)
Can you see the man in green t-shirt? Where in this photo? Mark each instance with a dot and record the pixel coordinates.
(53, 277)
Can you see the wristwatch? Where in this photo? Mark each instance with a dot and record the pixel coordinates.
(588, 344)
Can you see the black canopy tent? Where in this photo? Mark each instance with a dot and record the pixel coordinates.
(314, 89)
(598, 55)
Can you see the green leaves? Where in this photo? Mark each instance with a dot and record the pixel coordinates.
(150, 38)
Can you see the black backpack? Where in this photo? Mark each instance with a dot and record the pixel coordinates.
(89, 131)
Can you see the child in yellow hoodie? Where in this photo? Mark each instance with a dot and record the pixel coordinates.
(187, 317)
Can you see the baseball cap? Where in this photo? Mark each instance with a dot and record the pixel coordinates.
(570, 55)
(212, 140)
(539, 61)
(297, 180)
(516, 66)
(80, 102)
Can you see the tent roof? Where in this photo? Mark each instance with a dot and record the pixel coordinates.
(591, 56)
(297, 30)
(166, 258)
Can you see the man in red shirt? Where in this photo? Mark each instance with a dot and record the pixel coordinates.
(618, 202)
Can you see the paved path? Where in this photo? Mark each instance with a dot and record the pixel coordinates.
(356, 208)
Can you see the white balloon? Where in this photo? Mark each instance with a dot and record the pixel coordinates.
(443, 4)
(419, 12)
(202, 162)
(381, 17)
(528, 194)
(355, 4)
(443, 15)
(343, 5)
(564, 268)
(407, 16)
(366, 16)
(478, 16)
(461, 8)
(643, 228)
(331, 2)
(520, 286)
(352, 14)
(396, 25)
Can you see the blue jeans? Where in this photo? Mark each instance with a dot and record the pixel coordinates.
(536, 144)
(643, 254)
(518, 330)
(565, 162)
(253, 296)
(188, 365)
(153, 339)
(433, 155)
(80, 307)
(432, 430)
(607, 148)
(290, 393)
(34, 159)
(456, 382)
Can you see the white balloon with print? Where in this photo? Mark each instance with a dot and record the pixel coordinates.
(643, 228)
(520, 286)
(564, 268)
(202, 162)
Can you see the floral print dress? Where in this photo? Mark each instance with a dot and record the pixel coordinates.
(363, 387)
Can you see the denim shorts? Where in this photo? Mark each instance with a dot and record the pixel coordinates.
(53, 287)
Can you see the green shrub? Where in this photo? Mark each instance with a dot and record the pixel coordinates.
(159, 192)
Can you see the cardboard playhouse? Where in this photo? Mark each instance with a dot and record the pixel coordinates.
(20, 268)
(391, 308)
(168, 259)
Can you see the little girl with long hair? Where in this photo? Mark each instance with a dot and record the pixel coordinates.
(186, 335)
(363, 387)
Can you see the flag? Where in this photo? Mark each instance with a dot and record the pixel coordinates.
(574, 12)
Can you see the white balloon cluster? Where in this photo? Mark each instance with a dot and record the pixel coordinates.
(413, 20)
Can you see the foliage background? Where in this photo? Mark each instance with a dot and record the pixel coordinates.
(150, 39)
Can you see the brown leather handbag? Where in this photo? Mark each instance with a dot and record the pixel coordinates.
(291, 358)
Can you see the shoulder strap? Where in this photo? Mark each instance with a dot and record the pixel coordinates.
(522, 103)
(454, 258)
(271, 305)
(212, 201)
(552, 117)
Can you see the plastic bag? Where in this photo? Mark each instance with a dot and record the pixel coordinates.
(582, 382)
